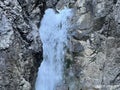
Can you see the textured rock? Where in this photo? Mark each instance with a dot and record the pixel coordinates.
(20, 46)
(92, 61)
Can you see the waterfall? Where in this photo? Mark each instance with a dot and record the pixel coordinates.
(53, 33)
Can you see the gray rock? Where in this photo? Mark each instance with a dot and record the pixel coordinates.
(95, 39)
(80, 36)
(20, 55)
(77, 47)
(97, 31)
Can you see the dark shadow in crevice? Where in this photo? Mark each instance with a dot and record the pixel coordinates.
(114, 1)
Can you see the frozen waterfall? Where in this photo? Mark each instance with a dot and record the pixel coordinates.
(53, 33)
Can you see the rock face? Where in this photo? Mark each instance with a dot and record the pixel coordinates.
(20, 46)
(93, 59)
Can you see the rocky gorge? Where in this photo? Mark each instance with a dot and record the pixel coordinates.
(92, 61)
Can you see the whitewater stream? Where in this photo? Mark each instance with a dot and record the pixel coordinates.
(53, 33)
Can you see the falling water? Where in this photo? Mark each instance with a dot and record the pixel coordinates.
(53, 33)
